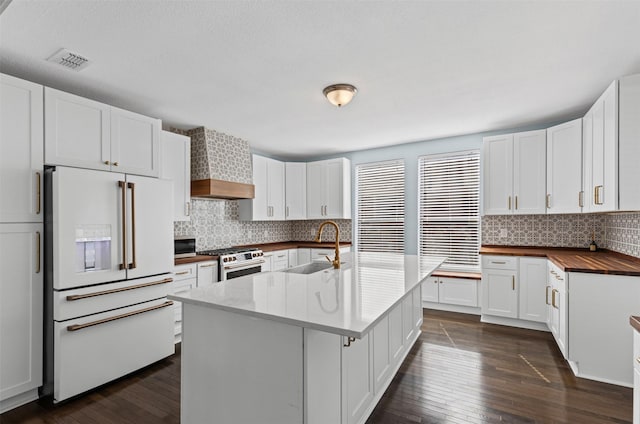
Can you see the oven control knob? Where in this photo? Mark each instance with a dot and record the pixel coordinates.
(224, 259)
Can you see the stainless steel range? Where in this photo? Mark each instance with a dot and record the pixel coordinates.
(236, 262)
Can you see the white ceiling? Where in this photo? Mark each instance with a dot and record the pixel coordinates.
(256, 69)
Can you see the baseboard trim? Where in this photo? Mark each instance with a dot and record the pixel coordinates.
(511, 322)
(451, 308)
(18, 400)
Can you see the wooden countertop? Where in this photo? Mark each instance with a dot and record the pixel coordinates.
(635, 322)
(270, 247)
(265, 247)
(574, 260)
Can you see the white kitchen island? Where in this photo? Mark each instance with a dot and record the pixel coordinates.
(280, 347)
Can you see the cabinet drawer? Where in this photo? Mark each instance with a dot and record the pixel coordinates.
(500, 262)
(182, 272)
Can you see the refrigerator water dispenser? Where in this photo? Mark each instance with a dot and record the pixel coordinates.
(93, 248)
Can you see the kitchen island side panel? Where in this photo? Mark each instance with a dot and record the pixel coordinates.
(240, 369)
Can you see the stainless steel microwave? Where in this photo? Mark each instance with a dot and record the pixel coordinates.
(184, 246)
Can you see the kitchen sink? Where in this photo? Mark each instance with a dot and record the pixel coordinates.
(310, 268)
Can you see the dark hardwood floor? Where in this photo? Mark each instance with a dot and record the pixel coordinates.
(459, 371)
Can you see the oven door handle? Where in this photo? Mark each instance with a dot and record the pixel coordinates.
(245, 264)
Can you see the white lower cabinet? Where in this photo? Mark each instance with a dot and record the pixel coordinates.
(304, 255)
(557, 307)
(532, 275)
(344, 379)
(451, 291)
(499, 293)
(21, 291)
(187, 277)
(323, 253)
(279, 260)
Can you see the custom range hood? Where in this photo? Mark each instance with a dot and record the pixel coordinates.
(220, 166)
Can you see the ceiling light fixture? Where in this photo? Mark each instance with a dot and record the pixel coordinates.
(339, 94)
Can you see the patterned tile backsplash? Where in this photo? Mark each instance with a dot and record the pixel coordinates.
(543, 230)
(215, 224)
(623, 233)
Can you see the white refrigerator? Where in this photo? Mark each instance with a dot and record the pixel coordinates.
(109, 258)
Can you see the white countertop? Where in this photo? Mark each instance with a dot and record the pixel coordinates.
(346, 301)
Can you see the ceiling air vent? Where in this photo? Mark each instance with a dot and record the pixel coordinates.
(69, 60)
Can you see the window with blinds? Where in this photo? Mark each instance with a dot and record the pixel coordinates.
(380, 207)
(450, 209)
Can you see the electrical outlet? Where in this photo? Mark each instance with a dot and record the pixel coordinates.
(504, 233)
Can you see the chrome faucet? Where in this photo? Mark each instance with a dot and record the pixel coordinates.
(336, 260)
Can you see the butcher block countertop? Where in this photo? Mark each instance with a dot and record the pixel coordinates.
(635, 322)
(193, 259)
(574, 260)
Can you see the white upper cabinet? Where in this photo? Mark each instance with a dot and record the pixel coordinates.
(564, 168)
(329, 189)
(87, 134)
(21, 150)
(296, 190)
(175, 159)
(135, 143)
(268, 203)
(514, 173)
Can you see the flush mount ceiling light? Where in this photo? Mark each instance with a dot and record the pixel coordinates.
(339, 94)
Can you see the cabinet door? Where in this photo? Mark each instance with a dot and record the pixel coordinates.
(458, 291)
(207, 273)
(296, 190)
(21, 150)
(293, 257)
(175, 159)
(529, 172)
(533, 282)
(636, 395)
(498, 174)
(257, 209)
(268, 262)
(304, 256)
(21, 291)
(430, 290)
(77, 131)
(357, 379)
(417, 308)
(564, 168)
(333, 189)
(315, 190)
(408, 325)
(275, 189)
(150, 229)
(381, 353)
(280, 260)
(587, 161)
(396, 339)
(499, 293)
(605, 151)
(135, 143)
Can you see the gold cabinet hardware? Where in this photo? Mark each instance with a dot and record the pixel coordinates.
(77, 327)
(435, 281)
(286, 211)
(638, 359)
(349, 341)
(38, 261)
(498, 262)
(554, 292)
(546, 295)
(548, 201)
(118, 290)
(509, 203)
(38, 192)
(513, 282)
(581, 199)
(106, 162)
(123, 187)
(516, 202)
(182, 273)
(187, 208)
(115, 163)
(132, 186)
(596, 195)
(553, 272)
(204, 266)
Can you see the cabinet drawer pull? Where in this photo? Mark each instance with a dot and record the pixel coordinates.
(581, 199)
(38, 190)
(349, 341)
(115, 163)
(105, 292)
(38, 260)
(499, 262)
(638, 359)
(106, 162)
(183, 272)
(548, 201)
(204, 266)
(77, 327)
(513, 282)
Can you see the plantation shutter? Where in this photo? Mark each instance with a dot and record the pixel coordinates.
(380, 207)
(449, 209)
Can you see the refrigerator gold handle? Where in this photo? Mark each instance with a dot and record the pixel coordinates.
(77, 327)
(122, 186)
(118, 290)
(132, 186)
